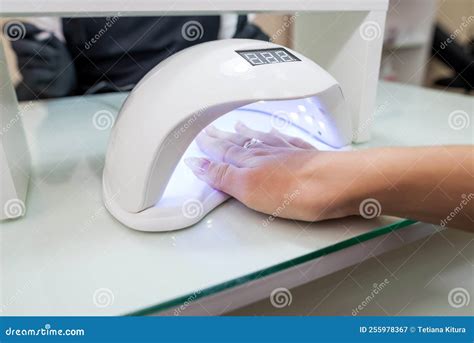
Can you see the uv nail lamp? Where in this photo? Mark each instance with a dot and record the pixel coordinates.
(146, 185)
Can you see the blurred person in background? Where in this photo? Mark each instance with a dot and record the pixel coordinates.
(73, 56)
(456, 56)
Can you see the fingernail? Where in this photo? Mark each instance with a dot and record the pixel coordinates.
(240, 124)
(210, 128)
(198, 165)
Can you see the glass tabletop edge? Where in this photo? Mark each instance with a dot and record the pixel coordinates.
(212, 290)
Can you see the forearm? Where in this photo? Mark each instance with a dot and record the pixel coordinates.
(432, 184)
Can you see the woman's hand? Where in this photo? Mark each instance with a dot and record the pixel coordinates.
(279, 175)
(286, 177)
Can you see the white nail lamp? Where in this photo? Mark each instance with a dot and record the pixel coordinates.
(145, 183)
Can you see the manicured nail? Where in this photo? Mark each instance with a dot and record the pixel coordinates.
(240, 124)
(198, 165)
(210, 129)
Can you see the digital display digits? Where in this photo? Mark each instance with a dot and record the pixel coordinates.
(267, 56)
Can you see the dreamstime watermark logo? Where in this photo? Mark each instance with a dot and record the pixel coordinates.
(288, 199)
(466, 198)
(103, 297)
(14, 30)
(109, 22)
(192, 208)
(19, 291)
(13, 121)
(280, 120)
(192, 30)
(188, 123)
(459, 297)
(365, 126)
(452, 37)
(47, 330)
(103, 120)
(370, 208)
(179, 310)
(281, 297)
(459, 120)
(370, 31)
(376, 289)
(287, 22)
(90, 221)
(14, 208)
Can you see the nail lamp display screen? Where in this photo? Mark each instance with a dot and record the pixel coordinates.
(267, 56)
(303, 118)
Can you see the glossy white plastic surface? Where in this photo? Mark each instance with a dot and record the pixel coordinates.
(166, 7)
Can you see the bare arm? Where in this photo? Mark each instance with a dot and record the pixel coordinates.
(430, 184)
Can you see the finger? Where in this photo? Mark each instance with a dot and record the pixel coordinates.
(31, 30)
(219, 175)
(55, 42)
(26, 47)
(36, 64)
(30, 48)
(222, 150)
(295, 141)
(26, 30)
(267, 138)
(38, 76)
(235, 138)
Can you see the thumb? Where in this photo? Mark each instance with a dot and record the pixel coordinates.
(219, 175)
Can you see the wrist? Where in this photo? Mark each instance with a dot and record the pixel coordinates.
(368, 182)
(337, 183)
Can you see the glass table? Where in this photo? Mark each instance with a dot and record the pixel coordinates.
(68, 256)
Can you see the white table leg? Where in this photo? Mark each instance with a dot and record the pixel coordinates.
(349, 46)
(14, 154)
